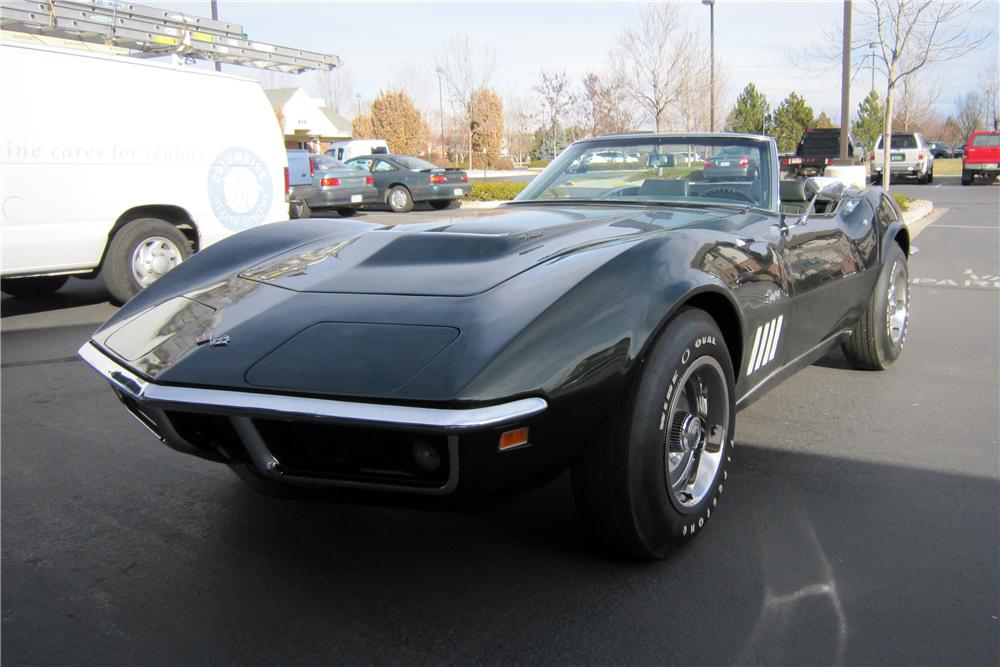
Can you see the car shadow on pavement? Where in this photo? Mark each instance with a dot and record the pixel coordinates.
(811, 559)
(76, 292)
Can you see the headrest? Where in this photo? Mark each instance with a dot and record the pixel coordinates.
(663, 188)
(793, 190)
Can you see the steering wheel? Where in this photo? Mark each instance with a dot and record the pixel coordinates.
(727, 191)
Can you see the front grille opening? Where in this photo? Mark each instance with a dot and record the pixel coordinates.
(331, 451)
(133, 407)
(213, 433)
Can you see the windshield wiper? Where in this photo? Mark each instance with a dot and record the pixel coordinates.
(682, 203)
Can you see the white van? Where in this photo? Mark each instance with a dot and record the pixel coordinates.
(122, 167)
(345, 150)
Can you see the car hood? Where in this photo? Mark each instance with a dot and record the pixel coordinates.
(464, 256)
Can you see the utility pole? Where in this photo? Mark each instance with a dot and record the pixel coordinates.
(845, 83)
(215, 17)
(711, 94)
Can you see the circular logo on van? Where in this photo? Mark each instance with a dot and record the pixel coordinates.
(239, 188)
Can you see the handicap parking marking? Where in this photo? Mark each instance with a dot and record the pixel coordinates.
(969, 280)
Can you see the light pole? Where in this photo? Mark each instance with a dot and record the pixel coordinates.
(215, 17)
(845, 83)
(872, 47)
(441, 108)
(711, 94)
(357, 100)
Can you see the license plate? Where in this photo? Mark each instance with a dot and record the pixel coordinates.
(356, 199)
(723, 164)
(458, 192)
(896, 157)
(988, 165)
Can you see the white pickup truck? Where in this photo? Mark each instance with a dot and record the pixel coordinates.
(120, 167)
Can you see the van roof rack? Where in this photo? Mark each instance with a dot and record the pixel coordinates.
(149, 31)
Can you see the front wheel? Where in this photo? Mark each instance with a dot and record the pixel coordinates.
(399, 200)
(27, 288)
(878, 336)
(653, 475)
(139, 253)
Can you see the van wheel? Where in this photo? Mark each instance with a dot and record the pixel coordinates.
(139, 253)
(399, 200)
(653, 475)
(32, 287)
(298, 208)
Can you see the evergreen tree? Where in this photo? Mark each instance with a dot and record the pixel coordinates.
(750, 113)
(823, 121)
(791, 119)
(868, 125)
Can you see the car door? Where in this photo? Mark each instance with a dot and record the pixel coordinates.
(829, 261)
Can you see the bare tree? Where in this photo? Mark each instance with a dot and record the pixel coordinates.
(518, 114)
(916, 96)
(465, 71)
(655, 55)
(989, 84)
(971, 113)
(911, 34)
(605, 107)
(336, 87)
(558, 97)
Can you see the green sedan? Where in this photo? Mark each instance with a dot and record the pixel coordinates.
(402, 180)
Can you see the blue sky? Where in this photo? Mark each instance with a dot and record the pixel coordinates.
(383, 42)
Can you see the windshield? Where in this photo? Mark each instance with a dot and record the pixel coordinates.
(901, 141)
(695, 169)
(415, 163)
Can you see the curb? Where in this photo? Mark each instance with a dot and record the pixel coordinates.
(920, 208)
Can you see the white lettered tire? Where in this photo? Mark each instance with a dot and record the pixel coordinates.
(654, 474)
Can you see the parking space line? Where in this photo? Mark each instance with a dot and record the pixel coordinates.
(963, 227)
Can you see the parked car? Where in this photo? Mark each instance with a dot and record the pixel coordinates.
(126, 183)
(402, 180)
(731, 163)
(298, 183)
(982, 157)
(614, 329)
(345, 150)
(909, 156)
(941, 150)
(337, 186)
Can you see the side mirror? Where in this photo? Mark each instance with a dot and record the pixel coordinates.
(823, 187)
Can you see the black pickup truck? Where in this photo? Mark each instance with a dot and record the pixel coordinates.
(818, 148)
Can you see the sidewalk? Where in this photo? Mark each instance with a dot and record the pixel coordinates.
(495, 173)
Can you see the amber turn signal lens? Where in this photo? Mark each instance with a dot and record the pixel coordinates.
(515, 438)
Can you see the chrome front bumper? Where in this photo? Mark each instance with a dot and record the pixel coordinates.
(147, 401)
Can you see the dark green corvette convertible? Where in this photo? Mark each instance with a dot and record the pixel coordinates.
(612, 319)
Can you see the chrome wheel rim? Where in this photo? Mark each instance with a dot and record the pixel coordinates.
(697, 421)
(153, 258)
(397, 199)
(897, 307)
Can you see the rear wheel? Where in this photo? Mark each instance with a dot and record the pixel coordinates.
(966, 177)
(399, 199)
(298, 208)
(32, 287)
(140, 253)
(878, 336)
(930, 176)
(653, 474)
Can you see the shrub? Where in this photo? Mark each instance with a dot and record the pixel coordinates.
(504, 163)
(493, 191)
(902, 201)
(539, 163)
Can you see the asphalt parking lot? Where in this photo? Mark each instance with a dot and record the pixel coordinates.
(859, 524)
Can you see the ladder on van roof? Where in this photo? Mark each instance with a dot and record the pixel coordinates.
(149, 31)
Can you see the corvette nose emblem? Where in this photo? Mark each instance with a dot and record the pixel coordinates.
(213, 341)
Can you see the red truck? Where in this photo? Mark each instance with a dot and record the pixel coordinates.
(982, 157)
